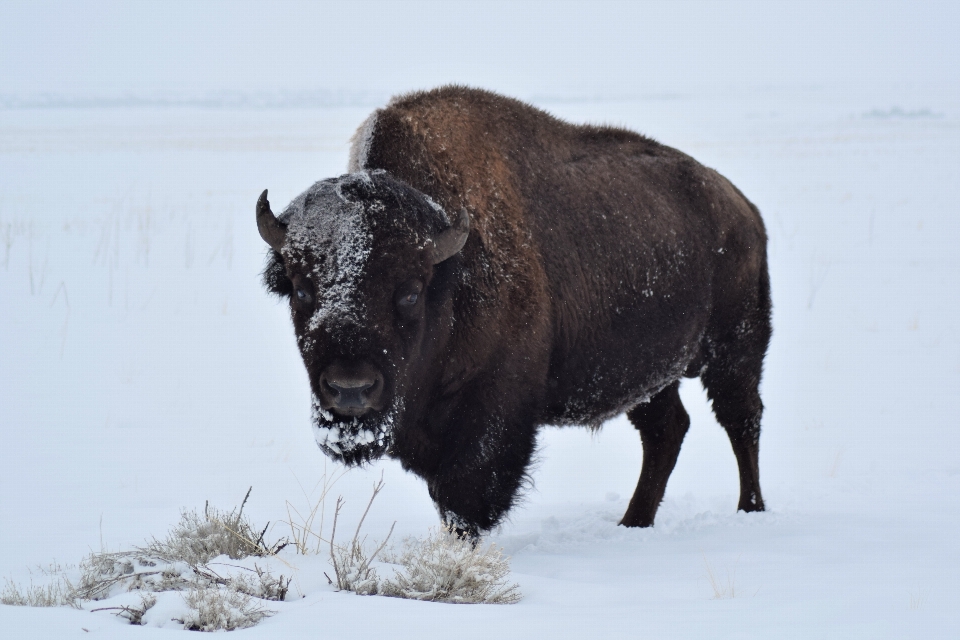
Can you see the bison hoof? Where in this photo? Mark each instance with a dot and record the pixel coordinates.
(636, 522)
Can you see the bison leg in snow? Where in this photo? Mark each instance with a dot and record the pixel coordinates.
(732, 381)
(662, 423)
(737, 405)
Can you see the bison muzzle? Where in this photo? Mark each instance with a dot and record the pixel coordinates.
(485, 269)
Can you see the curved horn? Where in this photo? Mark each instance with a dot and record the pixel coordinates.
(448, 243)
(272, 230)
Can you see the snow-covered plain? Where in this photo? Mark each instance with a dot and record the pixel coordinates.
(143, 369)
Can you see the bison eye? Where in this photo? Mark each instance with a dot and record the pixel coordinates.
(303, 296)
(407, 295)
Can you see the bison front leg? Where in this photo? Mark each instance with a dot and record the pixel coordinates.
(479, 482)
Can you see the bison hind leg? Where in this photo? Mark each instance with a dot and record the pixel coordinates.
(737, 406)
(662, 423)
(732, 381)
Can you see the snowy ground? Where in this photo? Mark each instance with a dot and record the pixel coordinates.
(143, 370)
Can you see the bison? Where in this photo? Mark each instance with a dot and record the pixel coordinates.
(485, 268)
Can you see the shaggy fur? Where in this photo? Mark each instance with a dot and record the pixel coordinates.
(600, 267)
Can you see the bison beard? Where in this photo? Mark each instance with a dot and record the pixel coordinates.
(486, 269)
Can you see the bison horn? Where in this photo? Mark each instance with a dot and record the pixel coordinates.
(271, 230)
(448, 243)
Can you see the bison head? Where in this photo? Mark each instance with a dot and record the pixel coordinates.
(364, 260)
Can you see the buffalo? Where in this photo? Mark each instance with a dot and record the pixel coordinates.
(485, 269)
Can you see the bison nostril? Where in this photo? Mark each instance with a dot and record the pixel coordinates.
(351, 396)
(332, 389)
(351, 390)
(369, 390)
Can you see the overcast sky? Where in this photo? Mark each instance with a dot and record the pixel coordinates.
(195, 49)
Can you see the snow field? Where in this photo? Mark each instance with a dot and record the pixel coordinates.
(145, 371)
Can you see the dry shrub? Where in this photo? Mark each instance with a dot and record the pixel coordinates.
(180, 562)
(133, 614)
(446, 568)
(196, 540)
(442, 568)
(104, 575)
(213, 609)
(352, 564)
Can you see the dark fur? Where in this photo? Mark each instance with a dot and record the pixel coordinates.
(601, 266)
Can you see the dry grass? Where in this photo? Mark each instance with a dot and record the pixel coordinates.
(181, 560)
(58, 593)
(225, 596)
(351, 564)
(222, 610)
(722, 589)
(442, 568)
(133, 614)
(196, 540)
(218, 599)
(447, 568)
(306, 531)
(917, 599)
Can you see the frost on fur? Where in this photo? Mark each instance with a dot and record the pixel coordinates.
(446, 568)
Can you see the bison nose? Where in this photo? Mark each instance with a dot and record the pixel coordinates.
(347, 396)
(351, 393)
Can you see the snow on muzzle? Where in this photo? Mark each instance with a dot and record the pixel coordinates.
(354, 440)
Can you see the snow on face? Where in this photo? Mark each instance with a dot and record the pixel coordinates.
(330, 240)
(336, 234)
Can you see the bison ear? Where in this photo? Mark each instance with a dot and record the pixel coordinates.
(272, 230)
(448, 243)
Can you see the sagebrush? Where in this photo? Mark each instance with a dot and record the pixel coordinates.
(227, 609)
(197, 539)
(442, 568)
(226, 596)
(218, 596)
(448, 568)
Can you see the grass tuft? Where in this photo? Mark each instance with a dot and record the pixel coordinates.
(58, 593)
(448, 568)
(351, 564)
(196, 539)
(722, 590)
(213, 609)
(306, 529)
(220, 597)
